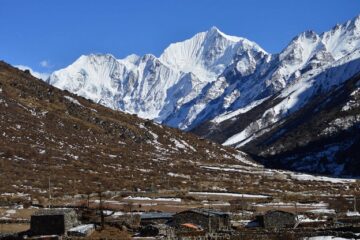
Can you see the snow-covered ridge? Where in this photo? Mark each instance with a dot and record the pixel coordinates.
(209, 75)
(153, 87)
(256, 75)
(228, 115)
(296, 95)
(206, 54)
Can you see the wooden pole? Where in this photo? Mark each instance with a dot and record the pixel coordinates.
(101, 212)
(209, 217)
(88, 200)
(49, 192)
(355, 203)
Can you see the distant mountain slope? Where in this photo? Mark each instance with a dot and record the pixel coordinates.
(324, 64)
(323, 137)
(312, 125)
(307, 54)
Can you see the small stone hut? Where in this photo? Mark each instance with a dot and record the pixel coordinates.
(277, 219)
(52, 221)
(209, 220)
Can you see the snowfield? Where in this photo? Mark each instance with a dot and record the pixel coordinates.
(308, 177)
(225, 194)
(153, 199)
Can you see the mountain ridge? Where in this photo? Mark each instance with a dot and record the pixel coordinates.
(177, 87)
(206, 55)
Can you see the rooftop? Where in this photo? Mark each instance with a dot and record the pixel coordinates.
(50, 211)
(207, 212)
(156, 215)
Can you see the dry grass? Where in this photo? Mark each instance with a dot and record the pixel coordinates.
(14, 227)
(109, 233)
(19, 214)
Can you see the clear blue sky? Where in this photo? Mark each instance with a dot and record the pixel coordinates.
(50, 34)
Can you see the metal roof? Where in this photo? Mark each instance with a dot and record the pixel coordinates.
(156, 215)
(207, 212)
(280, 211)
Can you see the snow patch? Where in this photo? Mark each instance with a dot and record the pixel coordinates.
(73, 100)
(226, 194)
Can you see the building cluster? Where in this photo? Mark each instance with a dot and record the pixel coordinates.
(191, 224)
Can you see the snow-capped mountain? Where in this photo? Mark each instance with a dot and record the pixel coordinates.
(154, 87)
(273, 73)
(303, 68)
(310, 68)
(208, 75)
(323, 135)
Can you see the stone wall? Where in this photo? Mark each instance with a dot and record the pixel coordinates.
(279, 219)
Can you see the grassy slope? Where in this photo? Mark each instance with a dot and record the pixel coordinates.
(86, 147)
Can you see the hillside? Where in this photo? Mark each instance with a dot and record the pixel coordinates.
(83, 146)
(48, 132)
(323, 137)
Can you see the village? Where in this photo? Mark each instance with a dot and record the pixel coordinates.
(195, 215)
(271, 204)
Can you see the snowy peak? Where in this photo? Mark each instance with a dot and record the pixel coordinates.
(214, 31)
(338, 42)
(343, 38)
(355, 23)
(206, 54)
(310, 34)
(301, 47)
(351, 26)
(133, 58)
(95, 59)
(309, 50)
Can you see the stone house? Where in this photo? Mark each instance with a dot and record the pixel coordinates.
(52, 221)
(206, 219)
(276, 219)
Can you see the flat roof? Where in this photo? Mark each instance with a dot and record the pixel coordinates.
(156, 215)
(53, 211)
(206, 212)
